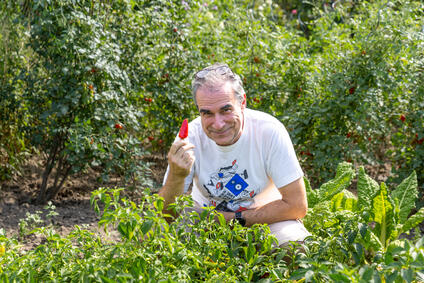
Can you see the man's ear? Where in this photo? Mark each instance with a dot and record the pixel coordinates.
(244, 102)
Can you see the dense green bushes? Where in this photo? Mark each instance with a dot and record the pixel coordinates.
(345, 79)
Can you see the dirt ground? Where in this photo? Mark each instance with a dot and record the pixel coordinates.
(17, 201)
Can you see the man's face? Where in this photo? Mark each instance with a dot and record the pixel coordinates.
(221, 114)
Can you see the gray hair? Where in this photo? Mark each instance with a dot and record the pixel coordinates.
(215, 76)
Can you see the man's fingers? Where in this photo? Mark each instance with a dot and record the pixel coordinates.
(181, 155)
(180, 146)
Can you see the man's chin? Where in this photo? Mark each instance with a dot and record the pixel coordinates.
(222, 141)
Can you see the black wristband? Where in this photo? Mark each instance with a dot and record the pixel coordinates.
(240, 218)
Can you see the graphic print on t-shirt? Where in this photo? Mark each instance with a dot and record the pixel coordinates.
(228, 188)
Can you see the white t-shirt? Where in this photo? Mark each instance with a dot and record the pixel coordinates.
(245, 174)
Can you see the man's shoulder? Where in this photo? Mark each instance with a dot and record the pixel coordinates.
(263, 121)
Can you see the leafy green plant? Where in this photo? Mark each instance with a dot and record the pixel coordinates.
(200, 246)
(29, 223)
(382, 216)
(79, 94)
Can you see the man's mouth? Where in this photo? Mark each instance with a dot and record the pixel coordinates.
(220, 133)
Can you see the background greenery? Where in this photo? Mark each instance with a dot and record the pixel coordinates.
(98, 83)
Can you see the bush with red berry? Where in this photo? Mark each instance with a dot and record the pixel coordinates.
(344, 82)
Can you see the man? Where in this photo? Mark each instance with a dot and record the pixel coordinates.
(240, 161)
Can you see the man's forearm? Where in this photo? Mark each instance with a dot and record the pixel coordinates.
(172, 188)
(276, 211)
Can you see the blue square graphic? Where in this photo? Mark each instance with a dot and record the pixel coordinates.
(236, 185)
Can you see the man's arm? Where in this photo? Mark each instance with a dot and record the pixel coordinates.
(293, 205)
(180, 160)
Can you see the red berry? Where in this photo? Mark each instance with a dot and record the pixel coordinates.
(150, 138)
(160, 141)
(90, 87)
(352, 90)
(369, 138)
(93, 70)
(118, 126)
(175, 29)
(150, 99)
(402, 118)
(348, 135)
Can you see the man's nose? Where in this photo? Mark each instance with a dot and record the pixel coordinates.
(218, 122)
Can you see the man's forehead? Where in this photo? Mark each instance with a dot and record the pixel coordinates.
(213, 89)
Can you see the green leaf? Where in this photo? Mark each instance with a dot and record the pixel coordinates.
(336, 201)
(413, 221)
(406, 193)
(344, 167)
(335, 186)
(383, 211)
(312, 194)
(366, 273)
(221, 219)
(344, 200)
(367, 189)
(146, 226)
(158, 204)
(123, 229)
(407, 275)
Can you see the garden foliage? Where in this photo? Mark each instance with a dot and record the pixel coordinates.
(349, 243)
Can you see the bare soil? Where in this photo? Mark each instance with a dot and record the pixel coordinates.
(17, 201)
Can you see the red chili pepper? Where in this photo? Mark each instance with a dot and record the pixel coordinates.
(184, 130)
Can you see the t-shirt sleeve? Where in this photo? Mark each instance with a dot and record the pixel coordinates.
(282, 163)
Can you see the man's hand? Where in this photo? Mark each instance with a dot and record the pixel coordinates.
(180, 159)
(293, 205)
